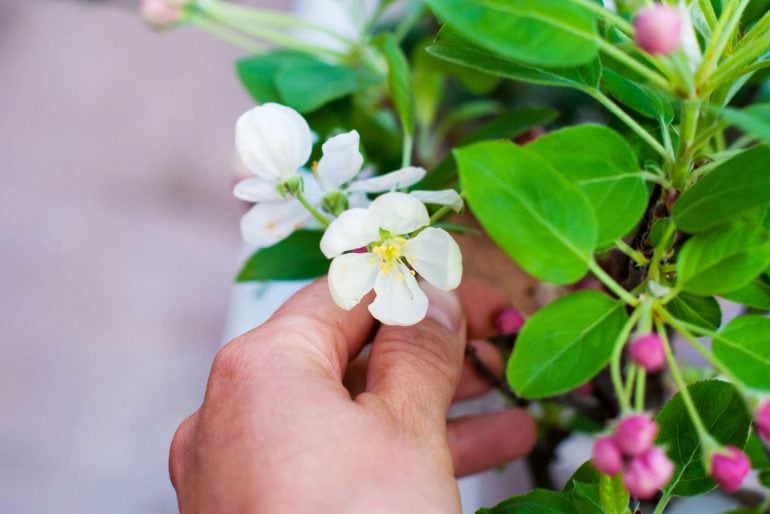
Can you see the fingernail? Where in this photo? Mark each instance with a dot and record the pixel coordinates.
(443, 307)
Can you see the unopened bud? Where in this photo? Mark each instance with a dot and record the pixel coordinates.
(161, 13)
(647, 352)
(729, 467)
(636, 434)
(763, 422)
(658, 29)
(606, 456)
(648, 473)
(509, 321)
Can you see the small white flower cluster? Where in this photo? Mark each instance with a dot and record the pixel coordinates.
(381, 244)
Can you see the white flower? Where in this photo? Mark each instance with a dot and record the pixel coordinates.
(392, 258)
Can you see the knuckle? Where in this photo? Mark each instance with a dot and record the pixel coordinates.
(229, 363)
(180, 446)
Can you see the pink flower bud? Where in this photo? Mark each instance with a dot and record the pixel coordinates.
(647, 351)
(763, 422)
(161, 13)
(647, 473)
(636, 434)
(658, 29)
(606, 456)
(730, 468)
(509, 321)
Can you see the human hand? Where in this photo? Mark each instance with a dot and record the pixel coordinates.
(279, 431)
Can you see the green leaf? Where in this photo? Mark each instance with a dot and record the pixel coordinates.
(744, 348)
(640, 98)
(544, 223)
(754, 120)
(298, 257)
(565, 344)
(723, 259)
(453, 48)
(258, 73)
(539, 501)
(723, 413)
(608, 174)
(399, 82)
(552, 33)
(734, 187)
(310, 86)
(583, 487)
(703, 311)
(512, 124)
(755, 294)
(614, 497)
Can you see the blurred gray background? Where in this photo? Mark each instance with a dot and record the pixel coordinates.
(118, 245)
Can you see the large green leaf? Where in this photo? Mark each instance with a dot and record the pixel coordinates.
(723, 259)
(608, 174)
(297, 257)
(258, 73)
(308, 87)
(724, 415)
(640, 98)
(734, 187)
(565, 344)
(703, 311)
(754, 120)
(544, 223)
(539, 501)
(583, 486)
(512, 124)
(755, 294)
(451, 47)
(399, 81)
(744, 347)
(552, 33)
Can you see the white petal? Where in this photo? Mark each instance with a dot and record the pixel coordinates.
(273, 141)
(399, 179)
(448, 197)
(268, 223)
(351, 276)
(354, 228)
(255, 189)
(436, 257)
(341, 160)
(399, 301)
(399, 213)
(358, 200)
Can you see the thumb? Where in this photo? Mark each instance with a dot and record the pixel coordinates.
(415, 370)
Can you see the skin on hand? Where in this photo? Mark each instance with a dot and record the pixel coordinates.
(279, 431)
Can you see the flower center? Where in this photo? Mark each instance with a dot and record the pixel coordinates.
(389, 252)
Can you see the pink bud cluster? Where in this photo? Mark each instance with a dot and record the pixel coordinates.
(647, 352)
(647, 467)
(729, 468)
(509, 322)
(161, 13)
(762, 422)
(658, 29)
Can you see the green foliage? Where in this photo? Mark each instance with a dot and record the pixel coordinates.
(553, 33)
(399, 81)
(723, 413)
(730, 190)
(703, 311)
(755, 294)
(608, 175)
(512, 190)
(452, 47)
(723, 259)
(565, 344)
(638, 97)
(539, 501)
(297, 257)
(583, 488)
(754, 120)
(744, 348)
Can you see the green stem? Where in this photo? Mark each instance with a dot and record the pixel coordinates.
(406, 150)
(689, 128)
(228, 35)
(634, 254)
(676, 374)
(640, 390)
(609, 16)
(312, 210)
(651, 75)
(723, 33)
(733, 67)
(611, 284)
(628, 120)
(615, 362)
(663, 503)
(708, 13)
(439, 214)
(630, 380)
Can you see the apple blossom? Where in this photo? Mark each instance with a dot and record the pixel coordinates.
(658, 29)
(729, 467)
(606, 456)
(762, 422)
(635, 434)
(399, 245)
(647, 473)
(647, 351)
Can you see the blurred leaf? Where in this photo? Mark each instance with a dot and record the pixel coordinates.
(539, 501)
(754, 120)
(258, 73)
(399, 82)
(744, 348)
(298, 257)
(310, 86)
(703, 311)
(755, 294)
